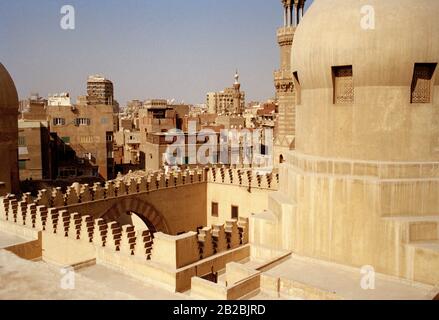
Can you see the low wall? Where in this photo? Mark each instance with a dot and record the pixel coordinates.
(72, 239)
(276, 287)
(297, 289)
(241, 282)
(30, 248)
(66, 251)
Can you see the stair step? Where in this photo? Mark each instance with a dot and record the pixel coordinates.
(280, 198)
(266, 215)
(422, 228)
(407, 218)
(427, 245)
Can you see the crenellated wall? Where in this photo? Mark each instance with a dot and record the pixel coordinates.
(73, 239)
(240, 187)
(243, 177)
(148, 196)
(78, 193)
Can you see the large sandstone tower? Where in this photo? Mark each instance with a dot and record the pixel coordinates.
(283, 79)
(361, 187)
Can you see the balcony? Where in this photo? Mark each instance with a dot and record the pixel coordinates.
(286, 31)
(284, 74)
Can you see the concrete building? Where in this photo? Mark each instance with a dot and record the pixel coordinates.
(36, 151)
(88, 131)
(33, 108)
(355, 197)
(129, 141)
(227, 102)
(230, 121)
(60, 100)
(100, 90)
(9, 176)
(157, 119)
(266, 116)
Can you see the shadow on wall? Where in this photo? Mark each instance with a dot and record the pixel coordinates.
(136, 220)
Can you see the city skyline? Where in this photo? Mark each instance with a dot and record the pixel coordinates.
(148, 49)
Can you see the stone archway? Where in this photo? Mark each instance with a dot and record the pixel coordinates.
(153, 219)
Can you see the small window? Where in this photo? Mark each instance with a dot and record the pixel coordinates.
(21, 164)
(59, 121)
(82, 121)
(86, 139)
(214, 209)
(297, 87)
(21, 141)
(235, 212)
(109, 137)
(422, 87)
(343, 82)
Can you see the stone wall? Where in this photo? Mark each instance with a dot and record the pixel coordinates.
(240, 187)
(70, 239)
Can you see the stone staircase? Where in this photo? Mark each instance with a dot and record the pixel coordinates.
(419, 236)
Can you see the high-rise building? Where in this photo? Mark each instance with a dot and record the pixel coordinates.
(100, 90)
(284, 78)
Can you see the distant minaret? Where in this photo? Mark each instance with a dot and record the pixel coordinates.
(283, 78)
(237, 95)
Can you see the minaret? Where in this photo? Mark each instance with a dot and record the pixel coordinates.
(237, 95)
(283, 79)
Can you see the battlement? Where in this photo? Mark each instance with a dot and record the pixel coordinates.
(121, 186)
(132, 184)
(72, 238)
(110, 234)
(243, 177)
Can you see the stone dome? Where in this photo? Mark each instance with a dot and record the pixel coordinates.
(406, 32)
(9, 174)
(368, 94)
(8, 92)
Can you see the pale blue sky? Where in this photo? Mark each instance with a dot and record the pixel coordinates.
(148, 48)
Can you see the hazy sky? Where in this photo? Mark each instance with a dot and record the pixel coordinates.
(149, 48)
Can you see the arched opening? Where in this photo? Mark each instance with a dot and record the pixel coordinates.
(281, 159)
(138, 213)
(138, 221)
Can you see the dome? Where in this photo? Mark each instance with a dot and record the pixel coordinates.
(331, 34)
(368, 94)
(8, 92)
